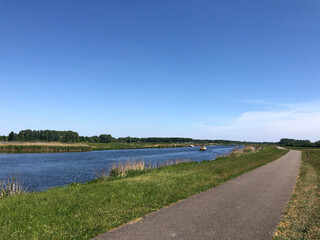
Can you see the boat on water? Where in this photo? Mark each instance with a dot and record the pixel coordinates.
(203, 148)
(191, 145)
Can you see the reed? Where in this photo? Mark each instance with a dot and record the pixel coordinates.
(11, 186)
(132, 168)
(46, 148)
(246, 150)
(249, 149)
(41, 144)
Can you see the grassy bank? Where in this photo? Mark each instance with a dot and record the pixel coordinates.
(39, 147)
(82, 211)
(302, 216)
(135, 145)
(50, 147)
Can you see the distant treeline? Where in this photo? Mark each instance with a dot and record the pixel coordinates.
(42, 135)
(71, 136)
(298, 143)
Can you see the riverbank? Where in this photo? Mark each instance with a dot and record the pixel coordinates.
(51, 147)
(301, 219)
(137, 145)
(82, 211)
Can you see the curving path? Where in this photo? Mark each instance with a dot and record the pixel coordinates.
(247, 207)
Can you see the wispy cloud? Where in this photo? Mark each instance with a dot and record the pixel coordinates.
(259, 102)
(300, 121)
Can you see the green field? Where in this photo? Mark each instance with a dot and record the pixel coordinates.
(82, 211)
(302, 216)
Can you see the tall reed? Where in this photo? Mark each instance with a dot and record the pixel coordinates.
(8, 148)
(11, 186)
(121, 169)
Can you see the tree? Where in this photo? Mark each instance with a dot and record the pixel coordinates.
(11, 136)
(106, 138)
(3, 138)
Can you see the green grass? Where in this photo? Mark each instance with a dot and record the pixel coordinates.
(302, 216)
(82, 211)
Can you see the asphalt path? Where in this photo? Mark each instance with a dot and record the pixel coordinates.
(247, 207)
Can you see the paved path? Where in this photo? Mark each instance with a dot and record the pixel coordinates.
(247, 207)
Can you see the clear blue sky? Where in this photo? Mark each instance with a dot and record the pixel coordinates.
(245, 70)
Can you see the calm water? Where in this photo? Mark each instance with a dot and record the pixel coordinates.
(41, 171)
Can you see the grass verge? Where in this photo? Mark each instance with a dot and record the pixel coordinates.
(82, 211)
(301, 220)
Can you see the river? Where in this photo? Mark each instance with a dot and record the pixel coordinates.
(40, 171)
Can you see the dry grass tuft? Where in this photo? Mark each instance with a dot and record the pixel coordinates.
(249, 149)
(122, 169)
(246, 150)
(11, 186)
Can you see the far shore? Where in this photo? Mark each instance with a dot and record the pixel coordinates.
(52, 147)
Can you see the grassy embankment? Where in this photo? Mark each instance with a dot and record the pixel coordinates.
(301, 219)
(42, 147)
(82, 211)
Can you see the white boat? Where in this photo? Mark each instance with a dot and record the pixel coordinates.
(203, 148)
